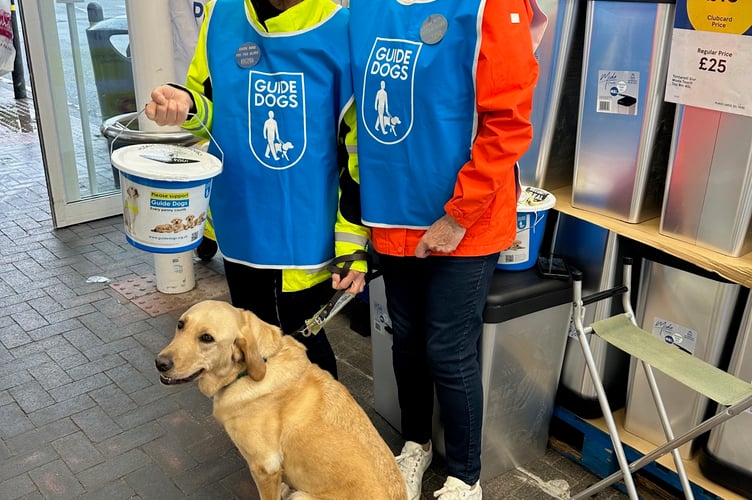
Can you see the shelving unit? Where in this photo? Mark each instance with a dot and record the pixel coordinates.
(736, 269)
(586, 441)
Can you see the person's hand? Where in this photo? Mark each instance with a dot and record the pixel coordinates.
(168, 105)
(354, 281)
(442, 237)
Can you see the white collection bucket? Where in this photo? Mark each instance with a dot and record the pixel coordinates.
(165, 191)
(532, 210)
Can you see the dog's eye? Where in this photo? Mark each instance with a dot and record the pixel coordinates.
(181, 324)
(206, 338)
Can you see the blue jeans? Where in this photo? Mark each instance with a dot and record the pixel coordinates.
(436, 307)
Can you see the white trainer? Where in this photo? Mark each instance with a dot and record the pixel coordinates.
(412, 463)
(455, 489)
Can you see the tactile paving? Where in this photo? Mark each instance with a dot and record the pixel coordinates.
(142, 291)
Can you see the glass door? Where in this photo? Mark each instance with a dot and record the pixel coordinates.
(81, 76)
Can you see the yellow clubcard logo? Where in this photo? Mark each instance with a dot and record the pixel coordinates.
(721, 16)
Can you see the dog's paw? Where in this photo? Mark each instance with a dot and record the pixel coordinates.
(299, 495)
(286, 491)
(290, 494)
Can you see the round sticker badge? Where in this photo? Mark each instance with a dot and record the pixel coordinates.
(433, 29)
(247, 55)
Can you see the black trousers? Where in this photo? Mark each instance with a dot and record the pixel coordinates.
(260, 291)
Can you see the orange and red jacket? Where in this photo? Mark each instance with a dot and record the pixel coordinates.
(485, 193)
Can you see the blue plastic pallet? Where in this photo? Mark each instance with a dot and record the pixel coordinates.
(589, 446)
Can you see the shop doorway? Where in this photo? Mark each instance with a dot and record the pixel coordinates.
(65, 64)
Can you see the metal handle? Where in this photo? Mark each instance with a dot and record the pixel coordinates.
(117, 128)
(146, 137)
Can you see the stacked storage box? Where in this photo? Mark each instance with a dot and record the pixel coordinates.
(727, 455)
(548, 162)
(694, 310)
(708, 197)
(624, 128)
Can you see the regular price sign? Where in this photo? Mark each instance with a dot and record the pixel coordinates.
(711, 55)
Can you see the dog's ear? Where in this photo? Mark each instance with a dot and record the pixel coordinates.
(254, 362)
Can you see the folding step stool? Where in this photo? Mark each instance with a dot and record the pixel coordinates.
(734, 394)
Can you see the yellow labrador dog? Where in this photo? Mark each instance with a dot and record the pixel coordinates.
(291, 420)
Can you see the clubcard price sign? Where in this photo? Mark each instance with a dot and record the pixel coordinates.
(711, 55)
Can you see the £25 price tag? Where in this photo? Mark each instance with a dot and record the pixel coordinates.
(711, 50)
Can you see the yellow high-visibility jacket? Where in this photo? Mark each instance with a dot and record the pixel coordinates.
(350, 235)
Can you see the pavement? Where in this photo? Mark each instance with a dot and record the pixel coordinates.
(82, 412)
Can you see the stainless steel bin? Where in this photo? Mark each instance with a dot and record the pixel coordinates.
(548, 163)
(624, 127)
(595, 252)
(693, 310)
(384, 385)
(522, 349)
(708, 199)
(726, 458)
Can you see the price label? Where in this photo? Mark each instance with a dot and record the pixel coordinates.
(711, 50)
(712, 64)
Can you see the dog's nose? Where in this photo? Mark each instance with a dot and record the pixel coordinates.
(163, 363)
